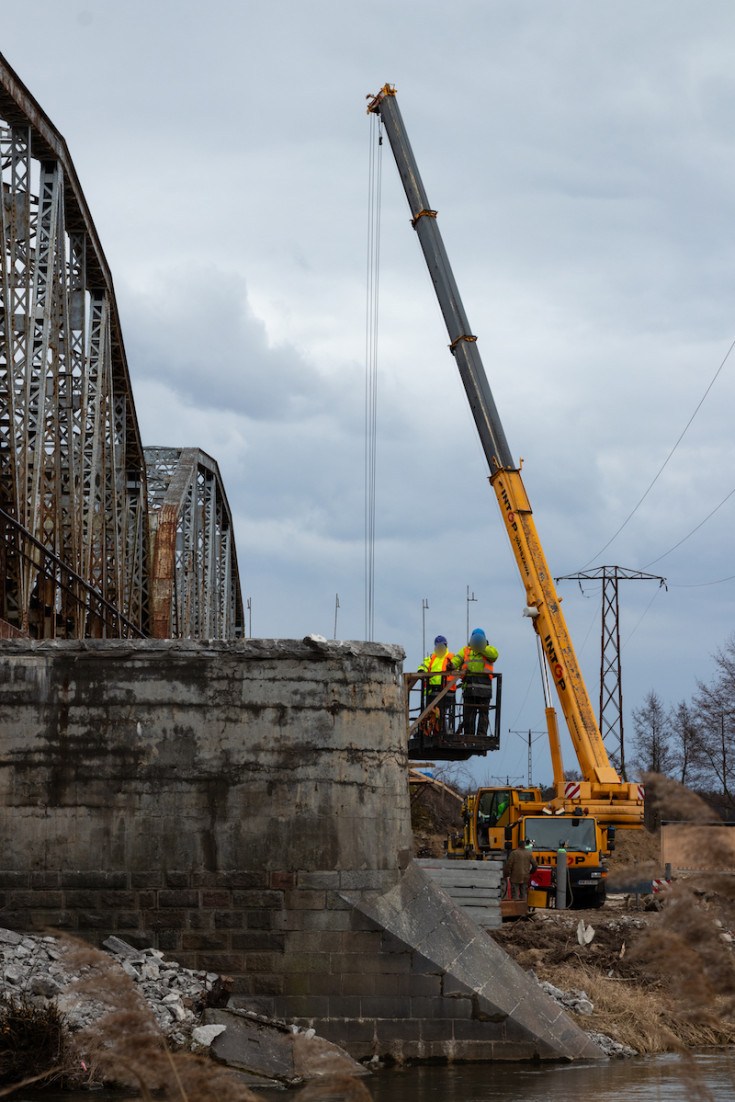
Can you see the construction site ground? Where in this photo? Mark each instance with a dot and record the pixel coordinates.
(659, 970)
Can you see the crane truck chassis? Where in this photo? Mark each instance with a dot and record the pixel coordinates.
(497, 820)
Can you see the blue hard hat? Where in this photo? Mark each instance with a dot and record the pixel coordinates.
(478, 633)
(440, 639)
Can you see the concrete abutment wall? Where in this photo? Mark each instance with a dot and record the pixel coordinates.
(245, 808)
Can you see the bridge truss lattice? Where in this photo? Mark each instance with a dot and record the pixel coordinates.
(75, 553)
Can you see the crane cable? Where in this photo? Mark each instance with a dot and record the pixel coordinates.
(660, 471)
(375, 172)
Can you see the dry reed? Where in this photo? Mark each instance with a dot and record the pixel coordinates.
(125, 1046)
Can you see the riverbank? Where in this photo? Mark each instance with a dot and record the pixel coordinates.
(657, 973)
(641, 979)
(658, 970)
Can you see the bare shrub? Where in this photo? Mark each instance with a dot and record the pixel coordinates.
(124, 1044)
(31, 1042)
(686, 951)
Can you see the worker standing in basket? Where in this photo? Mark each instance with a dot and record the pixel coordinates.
(436, 664)
(475, 665)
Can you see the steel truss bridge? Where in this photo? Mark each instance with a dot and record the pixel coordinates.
(99, 537)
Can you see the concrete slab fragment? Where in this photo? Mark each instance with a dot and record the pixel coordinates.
(271, 1050)
(500, 990)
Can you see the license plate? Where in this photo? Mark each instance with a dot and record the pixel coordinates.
(587, 883)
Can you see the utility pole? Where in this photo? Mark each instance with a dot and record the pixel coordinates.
(336, 606)
(611, 688)
(469, 601)
(530, 758)
(424, 606)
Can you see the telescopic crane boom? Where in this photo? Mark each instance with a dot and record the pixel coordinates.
(602, 791)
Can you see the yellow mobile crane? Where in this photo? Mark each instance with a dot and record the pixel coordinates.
(601, 793)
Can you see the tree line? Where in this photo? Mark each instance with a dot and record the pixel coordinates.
(693, 742)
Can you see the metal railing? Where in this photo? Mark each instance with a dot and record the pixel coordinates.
(436, 717)
(62, 605)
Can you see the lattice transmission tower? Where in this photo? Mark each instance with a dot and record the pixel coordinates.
(611, 686)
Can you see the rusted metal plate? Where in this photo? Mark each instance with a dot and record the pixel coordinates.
(513, 908)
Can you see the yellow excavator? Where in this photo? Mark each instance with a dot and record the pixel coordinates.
(601, 795)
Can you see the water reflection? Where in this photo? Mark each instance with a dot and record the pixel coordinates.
(650, 1079)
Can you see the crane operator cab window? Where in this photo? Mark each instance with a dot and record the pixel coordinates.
(491, 808)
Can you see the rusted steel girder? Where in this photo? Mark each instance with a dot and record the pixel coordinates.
(72, 470)
(195, 587)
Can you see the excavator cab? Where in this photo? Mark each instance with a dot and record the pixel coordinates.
(435, 720)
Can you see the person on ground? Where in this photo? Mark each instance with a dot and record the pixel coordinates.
(519, 868)
(436, 665)
(475, 665)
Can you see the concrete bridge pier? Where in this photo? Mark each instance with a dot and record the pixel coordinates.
(244, 807)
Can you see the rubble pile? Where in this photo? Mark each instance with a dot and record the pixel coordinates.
(38, 970)
(189, 1007)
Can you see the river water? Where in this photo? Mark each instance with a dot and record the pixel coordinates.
(640, 1079)
(710, 1078)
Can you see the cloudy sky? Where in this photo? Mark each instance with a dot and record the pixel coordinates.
(582, 160)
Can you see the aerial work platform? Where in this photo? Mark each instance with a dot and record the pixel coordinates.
(436, 723)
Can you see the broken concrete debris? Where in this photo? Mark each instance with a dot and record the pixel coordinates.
(579, 1002)
(262, 1046)
(183, 1002)
(186, 1007)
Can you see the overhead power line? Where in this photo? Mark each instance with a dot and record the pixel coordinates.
(696, 529)
(660, 471)
(700, 585)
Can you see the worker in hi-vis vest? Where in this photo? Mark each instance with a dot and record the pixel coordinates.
(475, 666)
(436, 664)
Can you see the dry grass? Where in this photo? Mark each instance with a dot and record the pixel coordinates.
(31, 1042)
(642, 1018)
(125, 1046)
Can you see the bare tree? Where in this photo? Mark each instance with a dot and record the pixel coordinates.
(688, 758)
(714, 704)
(652, 752)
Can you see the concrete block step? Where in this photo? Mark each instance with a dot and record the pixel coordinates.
(465, 879)
(472, 885)
(487, 918)
(477, 898)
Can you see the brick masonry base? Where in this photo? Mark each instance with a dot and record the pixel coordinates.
(244, 808)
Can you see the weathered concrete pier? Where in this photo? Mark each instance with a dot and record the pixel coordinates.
(244, 807)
